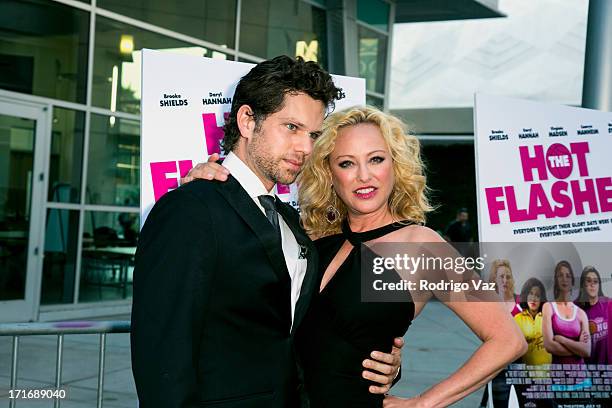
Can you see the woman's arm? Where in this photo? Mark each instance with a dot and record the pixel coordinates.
(550, 344)
(503, 342)
(580, 347)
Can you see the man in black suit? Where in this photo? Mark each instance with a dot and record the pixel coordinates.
(224, 273)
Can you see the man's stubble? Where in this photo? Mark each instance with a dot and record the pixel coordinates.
(267, 165)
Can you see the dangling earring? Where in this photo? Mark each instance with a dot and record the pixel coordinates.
(332, 213)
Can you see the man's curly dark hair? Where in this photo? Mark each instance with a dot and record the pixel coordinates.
(264, 88)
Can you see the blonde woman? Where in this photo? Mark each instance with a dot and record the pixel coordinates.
(364, 181)
(501, 275)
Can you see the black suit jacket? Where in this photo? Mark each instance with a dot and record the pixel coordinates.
(211, 318)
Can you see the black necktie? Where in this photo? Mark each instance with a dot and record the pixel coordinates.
(268, 203)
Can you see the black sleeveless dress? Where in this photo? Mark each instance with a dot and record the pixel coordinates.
(339, 330)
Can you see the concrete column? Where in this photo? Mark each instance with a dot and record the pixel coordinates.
(336, 62)
(351, 39)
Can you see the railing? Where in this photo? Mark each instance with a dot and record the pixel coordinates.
(16, 330)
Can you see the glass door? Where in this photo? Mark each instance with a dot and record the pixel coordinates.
(22, 135)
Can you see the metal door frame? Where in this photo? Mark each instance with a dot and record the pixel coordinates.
(27, 309)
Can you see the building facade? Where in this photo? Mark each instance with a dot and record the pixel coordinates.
(70, 120)
(70, 130)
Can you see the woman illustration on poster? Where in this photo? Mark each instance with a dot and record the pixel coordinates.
(566, 334)
(592, 300)
(565, 325)
(537, 359)
(501, 274)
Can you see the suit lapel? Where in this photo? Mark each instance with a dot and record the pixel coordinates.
(308, 288)
(243, 204)
(309, 282)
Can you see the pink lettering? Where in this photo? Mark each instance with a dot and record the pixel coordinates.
(282, 189)
(515, 214)
(559, 195)
(161, 183)
(159, 171)
(184, 167)
(565, 198)
(604, 191)
(538, 203)
(213, 133)
(584, 196)
(559, 161)
(580, 149)
(530, 163)
(494, 205)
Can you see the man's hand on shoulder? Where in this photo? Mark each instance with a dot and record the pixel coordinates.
(210, 170)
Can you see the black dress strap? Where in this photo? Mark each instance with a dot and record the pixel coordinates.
(356, 238)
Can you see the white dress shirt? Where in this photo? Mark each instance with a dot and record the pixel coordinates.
(291, 249)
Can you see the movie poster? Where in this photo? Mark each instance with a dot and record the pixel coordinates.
(544, 187)
(184, 103)
(543, 171)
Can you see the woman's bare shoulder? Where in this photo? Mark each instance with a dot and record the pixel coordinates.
(420, 233)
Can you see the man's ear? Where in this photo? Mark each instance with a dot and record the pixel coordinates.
(246, 121)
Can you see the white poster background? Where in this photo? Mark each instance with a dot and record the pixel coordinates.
(175, 133)
(498, 163)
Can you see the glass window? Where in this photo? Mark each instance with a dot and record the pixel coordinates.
(537, 52)
(210, 20)
(278, 27)
(66, 160)
(451, 176)
(374, 13)
(17, 140)
(59, 264)
(113, 170)
(372, 59)
(117, 56)
(43, 49)
(109, 245)
(374, 101)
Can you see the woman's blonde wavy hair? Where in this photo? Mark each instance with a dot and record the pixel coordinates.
(408, 199)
